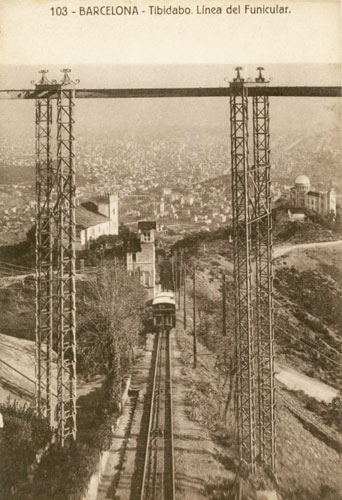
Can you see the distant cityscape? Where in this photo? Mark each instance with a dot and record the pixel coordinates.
(180, 180)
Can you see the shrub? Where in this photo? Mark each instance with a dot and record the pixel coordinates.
(64, 473)
(334, 413)
(23, 436)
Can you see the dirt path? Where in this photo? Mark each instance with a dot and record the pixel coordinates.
(283, 249)
(197, 456)
(17, 372)
(296, 381)
(117, 478)
(192, 446)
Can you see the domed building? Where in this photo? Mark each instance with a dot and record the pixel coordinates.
(302, 185)
(302, 196)
(302, 182)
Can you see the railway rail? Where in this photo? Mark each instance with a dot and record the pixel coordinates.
(158, 481)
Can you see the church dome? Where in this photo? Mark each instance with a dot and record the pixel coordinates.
(302, 180)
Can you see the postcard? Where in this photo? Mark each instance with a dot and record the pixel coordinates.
(170, 249)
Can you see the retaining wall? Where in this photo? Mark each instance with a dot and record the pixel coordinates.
(95, 479)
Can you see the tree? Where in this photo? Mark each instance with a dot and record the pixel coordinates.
(111, 314)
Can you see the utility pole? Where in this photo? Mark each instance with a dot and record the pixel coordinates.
(173, 272)
(224, 327)
(176, 277)
(184, 291)
(180, 278)
(116, 269)
(194, 304)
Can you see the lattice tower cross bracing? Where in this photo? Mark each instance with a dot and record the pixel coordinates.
(245, 352)
(264, 312)
(254, 324)
(56, 219)
(66, 274)
(44, 269)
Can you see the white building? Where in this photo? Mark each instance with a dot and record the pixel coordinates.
(95, 218)
(302, 196)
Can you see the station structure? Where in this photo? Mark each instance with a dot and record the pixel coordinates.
(252, 242)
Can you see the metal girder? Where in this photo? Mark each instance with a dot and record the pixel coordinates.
(264, 314)
(253, 90)
(242, 207)
(66, 283)
(44, 261)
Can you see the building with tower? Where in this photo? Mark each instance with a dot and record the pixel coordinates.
(302, 196)
(143, 262)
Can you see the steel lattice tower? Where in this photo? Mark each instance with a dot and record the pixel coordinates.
(264, 314)
(242, 217)
(66, 274)
(55, 234)
(44, 242)
(254, 324)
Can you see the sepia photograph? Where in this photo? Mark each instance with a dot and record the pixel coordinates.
(170, 250)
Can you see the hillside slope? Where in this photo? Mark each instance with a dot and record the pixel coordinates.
(17, 369)
(309, 310)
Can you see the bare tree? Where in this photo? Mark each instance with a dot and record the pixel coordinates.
(112, 311)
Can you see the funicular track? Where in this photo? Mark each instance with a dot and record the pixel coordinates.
(158, 469)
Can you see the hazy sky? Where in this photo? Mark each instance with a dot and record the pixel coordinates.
(302, 48)
(166, 75)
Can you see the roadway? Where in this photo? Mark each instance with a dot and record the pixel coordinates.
(280, 250)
